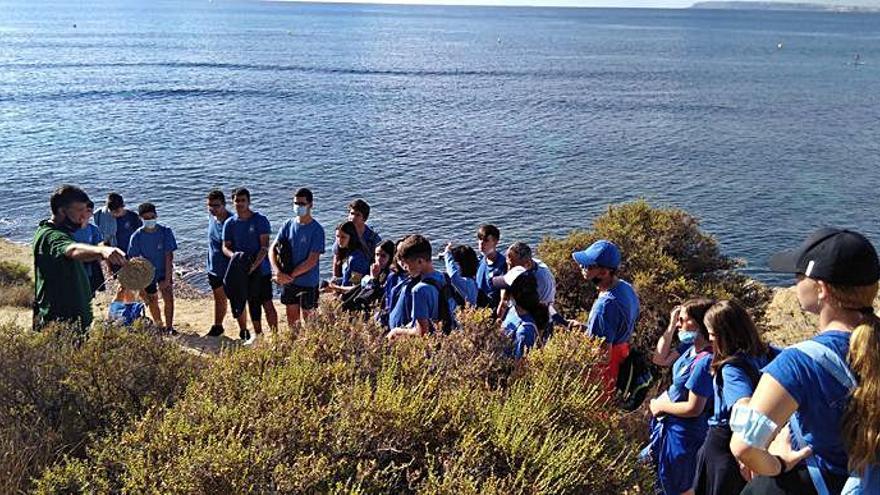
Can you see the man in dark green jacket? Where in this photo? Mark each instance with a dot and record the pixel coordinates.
(61, 286)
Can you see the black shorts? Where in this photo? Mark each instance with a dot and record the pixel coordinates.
(259, 288)
(154, 287)
(215, 282)
(304, 297)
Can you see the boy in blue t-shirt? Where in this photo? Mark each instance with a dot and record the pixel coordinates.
(156, 243)
(299, 276)
(217, 262)
(414, 253)
(492, 264)
(91, 234)
(247, 232)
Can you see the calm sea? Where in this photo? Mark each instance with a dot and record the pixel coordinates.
(443, 118)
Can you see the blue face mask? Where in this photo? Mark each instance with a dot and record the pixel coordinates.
(687, 337)
(150, 224)
(301, 210)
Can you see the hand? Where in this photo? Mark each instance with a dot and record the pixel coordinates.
(283, 278)
(114, 255)
(745, 472)
(574, 324)
(673, 317)
(655, 406)
(781, 446)
(393, 335)
(375, 270)
(448, 248)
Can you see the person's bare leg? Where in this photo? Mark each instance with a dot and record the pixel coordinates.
(168, 300)
(293, 315)
(271, 315)
(153, 303)
(220, 302)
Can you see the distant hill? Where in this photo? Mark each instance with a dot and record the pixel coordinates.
(817, 7)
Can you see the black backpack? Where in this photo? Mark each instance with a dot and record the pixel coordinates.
(447, 291)
(634, 380)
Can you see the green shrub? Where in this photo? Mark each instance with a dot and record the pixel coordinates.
(667, 258)
(337, 409)
(13, 273)
(58, 392)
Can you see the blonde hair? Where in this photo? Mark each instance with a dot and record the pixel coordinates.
(861, 422)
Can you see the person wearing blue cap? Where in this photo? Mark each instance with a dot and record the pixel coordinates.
(614, 313)
(819, 398)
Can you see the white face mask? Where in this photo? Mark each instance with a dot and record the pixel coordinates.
(150, 224)
(301, 210)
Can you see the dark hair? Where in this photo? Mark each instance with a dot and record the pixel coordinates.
(65, 195)
(734, 333)
(114, 201)
(522, 250)
(524, 292)
(389, 247)
(488, 230)
(218, 195)
(466, 258)
(145, 208)
(696, 309)
(361, 207)
(241, 191)
(304, 193)
(354, 242)
(414, 246)
(90, 204)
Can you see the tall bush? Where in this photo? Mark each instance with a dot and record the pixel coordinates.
(336, 409)
(58, 393)
(666, 256)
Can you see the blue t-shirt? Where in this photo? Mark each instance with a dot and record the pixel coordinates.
(688, 376)
(90, 234)
(153, 246)
(614, 314)
(466, 286)
(304, 239)
(487, 271)
(736, 385)
(245, 236)
(216, 261)
(125, 227)
(398, 300)
(356, 263)
(821, 399)
(524, 334)
(426, 298)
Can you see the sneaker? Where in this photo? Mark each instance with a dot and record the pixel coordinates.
(252, 339)
(244, 334)
(216, 331)
(171, 331)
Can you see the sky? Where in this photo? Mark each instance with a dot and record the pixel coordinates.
(598, 3)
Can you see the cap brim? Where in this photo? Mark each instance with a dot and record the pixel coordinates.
(583, 259)
(785, 261)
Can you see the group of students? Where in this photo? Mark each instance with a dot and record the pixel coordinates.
(739, 416)
(743, 417)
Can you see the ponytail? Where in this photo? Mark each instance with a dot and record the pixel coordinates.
(861, 423)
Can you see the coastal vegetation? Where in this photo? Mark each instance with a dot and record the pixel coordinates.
(336, 409)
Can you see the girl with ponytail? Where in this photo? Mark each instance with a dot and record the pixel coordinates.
(812, 386)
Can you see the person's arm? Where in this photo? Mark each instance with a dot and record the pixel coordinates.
(306, 265)
(690, 408)
(227, 249)
(501, 311)
(774, 402)
(86, 252)
(337, 265)
(280, 277)
(414, 331)
(665, 354)
(262, 253)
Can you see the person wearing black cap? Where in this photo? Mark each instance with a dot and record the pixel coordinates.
(810, 385)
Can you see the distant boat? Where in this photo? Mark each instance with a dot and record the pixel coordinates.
(857, 60)
(779, 46)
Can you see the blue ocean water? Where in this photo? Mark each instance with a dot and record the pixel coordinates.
(445, 117)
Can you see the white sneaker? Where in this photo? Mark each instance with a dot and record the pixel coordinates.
(252, 339)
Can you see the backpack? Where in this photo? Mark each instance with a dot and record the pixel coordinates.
(362, 298)
(634, 380)
(447, 291)
(284, 256)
